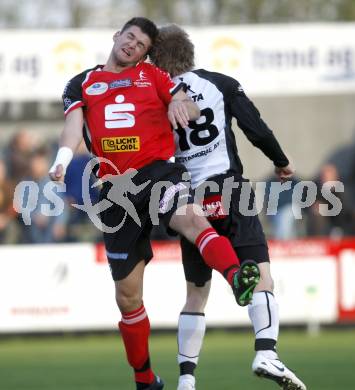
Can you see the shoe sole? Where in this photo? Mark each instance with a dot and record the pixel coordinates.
(247, 278)
(284, 382)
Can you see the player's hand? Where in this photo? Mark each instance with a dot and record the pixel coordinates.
(178, 114)
(57, 174)
(285, 173)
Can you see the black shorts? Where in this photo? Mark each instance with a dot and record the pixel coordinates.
(244, 232)
(149, 196)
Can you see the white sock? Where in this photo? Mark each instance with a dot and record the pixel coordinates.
(191, 330)
(264, 315)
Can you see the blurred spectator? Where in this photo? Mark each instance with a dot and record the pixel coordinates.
(18, 155)
(7, 214)
(43, 229)
(73, 178)
(80, 228)
(283, 225)
(343, 159)
(338, 225)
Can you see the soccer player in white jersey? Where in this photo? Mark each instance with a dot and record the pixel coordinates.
(208, 150)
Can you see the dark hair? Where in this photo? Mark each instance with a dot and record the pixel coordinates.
(173, 51)
(146, 25)
(41, 151)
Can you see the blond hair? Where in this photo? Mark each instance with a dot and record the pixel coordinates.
(173, 50)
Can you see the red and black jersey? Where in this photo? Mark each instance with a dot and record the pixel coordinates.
(125, 114)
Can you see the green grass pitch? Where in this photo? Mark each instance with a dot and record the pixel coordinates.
(325, 362)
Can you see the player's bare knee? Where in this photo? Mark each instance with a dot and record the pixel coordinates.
(190, 224)
(200, 223)
(127, 302)
(197, 224)
(266, 283)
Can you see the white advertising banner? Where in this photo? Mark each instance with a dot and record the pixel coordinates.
(54, 288)
(266, 59)
(304, 293)
(36, 65)
(49, 288)
(282, 59)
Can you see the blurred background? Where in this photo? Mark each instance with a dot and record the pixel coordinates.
(294, 59)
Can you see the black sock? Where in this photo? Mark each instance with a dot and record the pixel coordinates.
(142, 386)
(187, 368)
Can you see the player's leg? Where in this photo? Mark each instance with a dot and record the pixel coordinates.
(192, 323)
(135, 327)
(264, 315)
(134, 324)
(191, 331)
(250, 243)
(216, 251)
(126, 249)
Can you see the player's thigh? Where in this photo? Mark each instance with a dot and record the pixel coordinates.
(197, 272)
(129, 290)
(126, 242)
(121, 268)
(128, 274)
(189, 221)
(176, 209)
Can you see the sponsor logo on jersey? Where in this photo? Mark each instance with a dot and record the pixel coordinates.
(67, 102)
(120, 83)
(213, 207)
(97, 89)
(188, 87)
(197, 98)
(201, 153)
(120, 144)
(143, 81)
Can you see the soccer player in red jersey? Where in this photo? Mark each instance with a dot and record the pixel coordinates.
(125, 109)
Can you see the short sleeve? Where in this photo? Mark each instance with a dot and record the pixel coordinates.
(165, 85)
(72, 94)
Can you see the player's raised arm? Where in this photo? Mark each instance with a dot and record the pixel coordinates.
(69, 141)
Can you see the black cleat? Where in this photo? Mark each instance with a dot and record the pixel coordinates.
(158, 384)
(244, 282)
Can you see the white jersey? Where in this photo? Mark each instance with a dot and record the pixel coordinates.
(208, 147)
